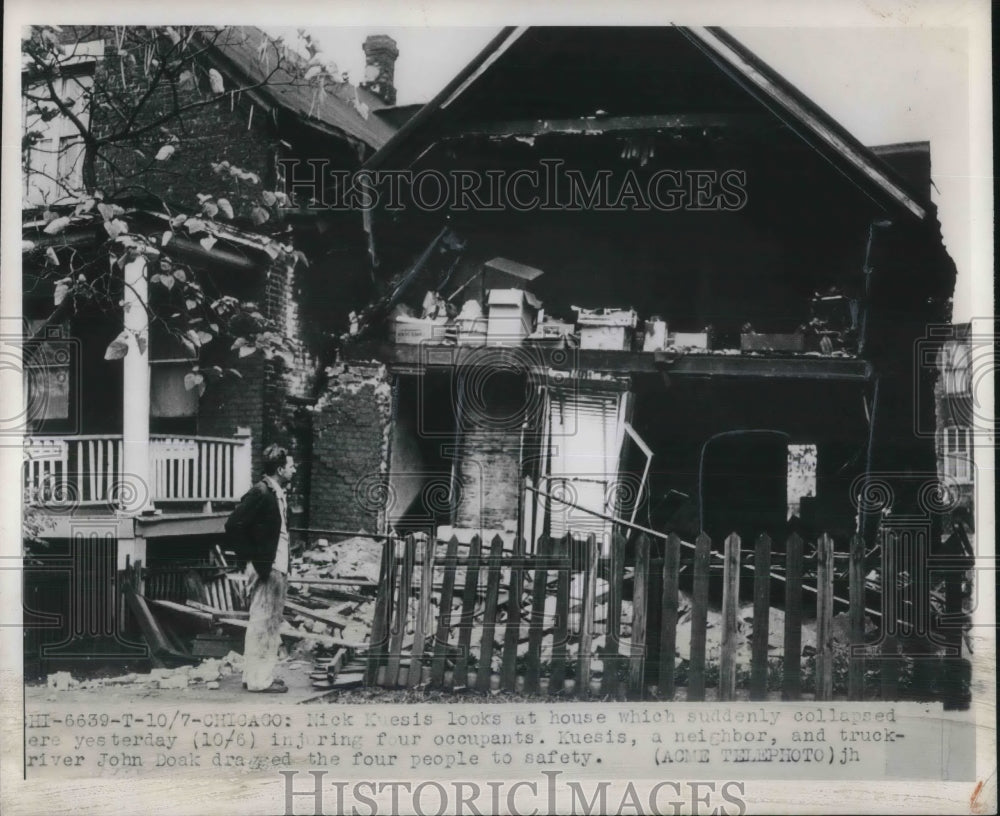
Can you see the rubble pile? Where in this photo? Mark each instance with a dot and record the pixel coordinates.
(207, 674)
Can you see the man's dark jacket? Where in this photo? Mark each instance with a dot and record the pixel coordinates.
(254, 527)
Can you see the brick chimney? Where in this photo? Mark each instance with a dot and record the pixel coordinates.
(380, 69)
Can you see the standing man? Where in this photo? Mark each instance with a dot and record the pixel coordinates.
(258, 530)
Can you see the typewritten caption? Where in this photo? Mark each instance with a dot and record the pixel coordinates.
(809, 740)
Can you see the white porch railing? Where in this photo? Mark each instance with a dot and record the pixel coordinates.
(60, 472)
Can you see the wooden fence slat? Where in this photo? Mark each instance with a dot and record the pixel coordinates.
(730, 610)
(444, 613)
(468, 610)
(380, 628)
(512, 631)
(640, 591)
(792, 681)
(699, 618)
(761, 617)
(584, 661)
(824, 619)
(856, 616)
(537, 630)
(426, 582)
(890, 664)
(401, 613)
(487, 644)
(668, 629)
(560, 634)
(612, 641)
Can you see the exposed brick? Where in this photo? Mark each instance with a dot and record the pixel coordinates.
(351, 449)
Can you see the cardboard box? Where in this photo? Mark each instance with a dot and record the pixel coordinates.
(606, 317)
(412, 331)
(471, 332)
(656, 335)
(511, 316)
(696, 340)
(607, 338)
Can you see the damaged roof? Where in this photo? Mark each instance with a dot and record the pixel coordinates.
(340, 108)
(604, 78)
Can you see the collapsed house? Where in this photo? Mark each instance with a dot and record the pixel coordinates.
(666, 268)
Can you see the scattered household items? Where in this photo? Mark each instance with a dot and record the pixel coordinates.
(606, 329)
(655, 337)
(497, 308)
(553, 332)
(755, 341)
(502, 273)
(512, 316)
(470, 327)
(411, 330)
(834, 320)
(699, 341)
(434, 306)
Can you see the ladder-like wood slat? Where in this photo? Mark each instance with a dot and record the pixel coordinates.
(824, 619)
(468, 610)
(533, 673)
(612, 646)
(668, 630)
(856, 615)
(487, 643)
(512, 632)
(640, 591)
(560, 635)
(699, 619)
(761, 617)
(444, 618)
(420, 624)
(730, 609)
(588, 602)
(792, 681)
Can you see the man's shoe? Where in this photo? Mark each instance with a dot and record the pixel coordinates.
(274, 688)
(276, 681)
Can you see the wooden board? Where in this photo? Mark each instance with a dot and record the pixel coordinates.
(761, 617)
(699, 619)
(584, 659)
(668, 630)
(612, 645)
(413, 675)
(560, 636)
(792, 681)
(856, 615)
(316, 614)
(511, 635)
(640, 590)
(487, 643)
(533, 674)
(444, 614)
(468, 609)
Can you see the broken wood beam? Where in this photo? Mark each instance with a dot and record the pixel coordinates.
(324, 617)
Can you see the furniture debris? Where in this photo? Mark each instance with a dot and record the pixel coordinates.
(512, 316)
(607, 329)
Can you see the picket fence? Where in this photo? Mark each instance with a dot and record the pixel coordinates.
(417, 642)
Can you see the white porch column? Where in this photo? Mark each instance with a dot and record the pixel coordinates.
(135, 492)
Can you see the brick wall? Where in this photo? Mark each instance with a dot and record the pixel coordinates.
(350, 449)
(227, 127)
